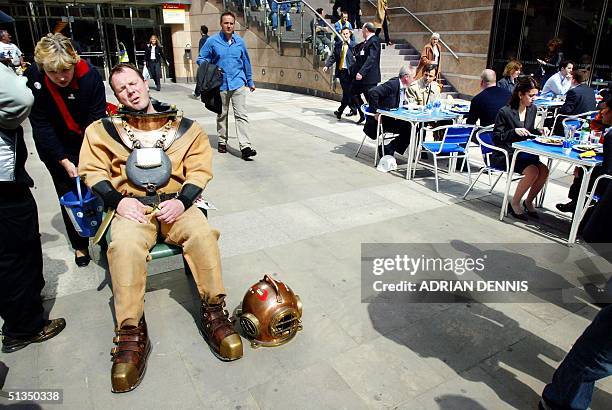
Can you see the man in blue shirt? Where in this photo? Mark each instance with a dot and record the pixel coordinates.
(561, 82)
(343, 23)
(228, 51)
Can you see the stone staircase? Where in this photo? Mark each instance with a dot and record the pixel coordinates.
(402, 53)
(287, 38)
(392, 57)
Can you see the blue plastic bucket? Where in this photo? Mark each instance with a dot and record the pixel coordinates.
(85, 211)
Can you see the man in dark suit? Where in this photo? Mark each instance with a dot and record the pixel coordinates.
(590, 358)
(367, 66)
(486, 104)
(391, 95)
(203, 38)
(579, 99)
(352, 8)
(605, 168)
(344, 59)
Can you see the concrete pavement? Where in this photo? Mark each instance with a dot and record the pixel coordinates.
(301, 210)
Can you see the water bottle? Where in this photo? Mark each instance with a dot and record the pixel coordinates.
(584, 133)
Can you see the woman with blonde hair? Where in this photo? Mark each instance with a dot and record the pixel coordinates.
(431, 54)
(154, 55)
(68, 96)
(511, 73)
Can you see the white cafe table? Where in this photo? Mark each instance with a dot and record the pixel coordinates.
(416, 117)
(544, 104)
(554, 152)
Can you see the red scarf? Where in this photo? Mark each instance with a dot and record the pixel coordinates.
(80, 69)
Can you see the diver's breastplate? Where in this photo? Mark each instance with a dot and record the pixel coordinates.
(148, 166)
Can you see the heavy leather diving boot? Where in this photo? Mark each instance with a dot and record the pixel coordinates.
(129, 356)
(218, 331)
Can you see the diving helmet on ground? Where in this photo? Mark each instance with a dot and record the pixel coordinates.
(270, 313)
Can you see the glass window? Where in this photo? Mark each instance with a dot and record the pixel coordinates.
(88, 11)
(602, 70)
(144, 13)
(540, 22)
(507, 32)
(578, 30)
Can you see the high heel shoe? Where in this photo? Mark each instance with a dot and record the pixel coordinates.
(83, 260)
(520, 217)
(531, 214)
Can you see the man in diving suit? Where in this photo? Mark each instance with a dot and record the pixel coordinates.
(116, 162)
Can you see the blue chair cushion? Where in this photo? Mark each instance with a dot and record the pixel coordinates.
(448, 148)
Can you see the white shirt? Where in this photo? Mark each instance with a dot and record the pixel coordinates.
(436, 55)
(557, 84)
(11, 51)
(402, 94)
(153, 52)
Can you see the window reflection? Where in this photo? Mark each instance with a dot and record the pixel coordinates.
(524, 27)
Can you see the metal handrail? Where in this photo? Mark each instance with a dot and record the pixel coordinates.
(408, 12)
(328, 24)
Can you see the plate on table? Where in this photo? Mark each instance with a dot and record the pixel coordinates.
(598, 148)
(464, 109)
(554, 141)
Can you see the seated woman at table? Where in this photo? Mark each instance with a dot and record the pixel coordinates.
(516, 122)
(511, 73)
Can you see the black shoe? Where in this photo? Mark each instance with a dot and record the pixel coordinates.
(82, 261)
(568, 207)
(247, 153)
(158, 88)
(51, 329)
(338, 114)
(531, 214)
(600, 296)
(351, 113)
(222, 148)
(361, 119)
(520, 217)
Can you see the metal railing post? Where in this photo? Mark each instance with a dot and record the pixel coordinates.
(302, 48)
(244, 13)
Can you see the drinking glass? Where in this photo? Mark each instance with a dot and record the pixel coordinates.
(595, 137)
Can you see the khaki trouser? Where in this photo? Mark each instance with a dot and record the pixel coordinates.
(238, 100)
(128, 254)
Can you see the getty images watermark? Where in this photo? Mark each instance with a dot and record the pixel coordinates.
(464, 272)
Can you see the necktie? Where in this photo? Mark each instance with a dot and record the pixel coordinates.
(343, 55)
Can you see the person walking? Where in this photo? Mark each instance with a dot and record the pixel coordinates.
(228, 51)
(203, 38)
(431, 54)
(68, 96)
(367, 66)
(382, 20)
(21, 261)
(154, 55)
(344, 59)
